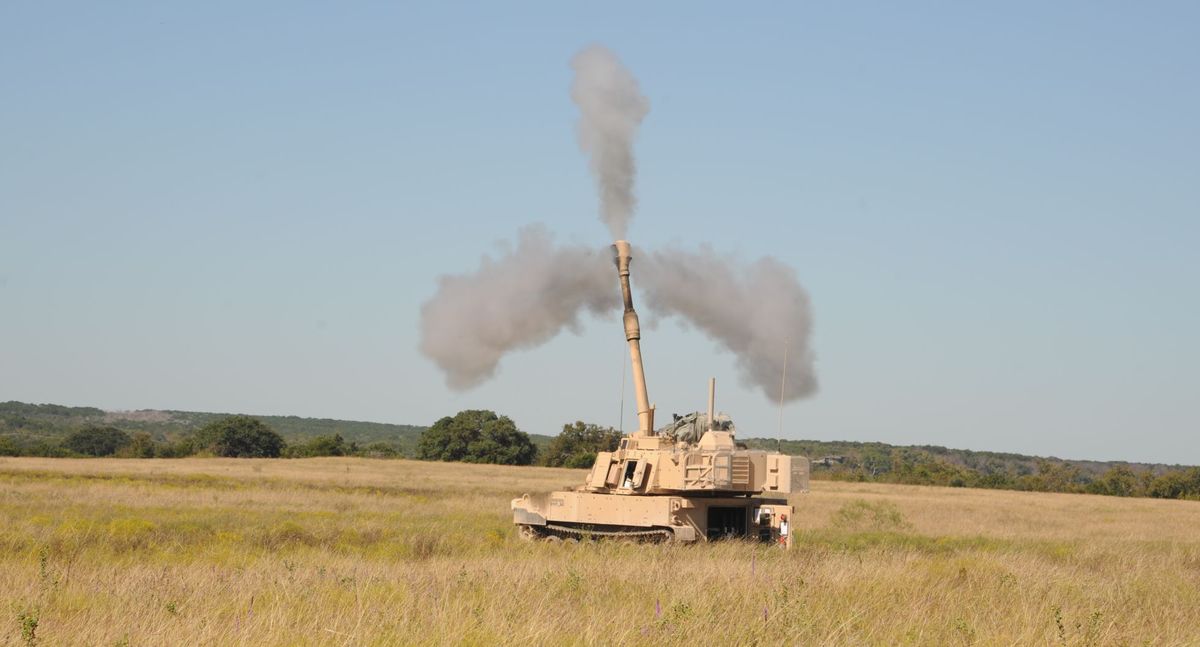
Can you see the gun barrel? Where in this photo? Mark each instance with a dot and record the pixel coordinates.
(633, 335)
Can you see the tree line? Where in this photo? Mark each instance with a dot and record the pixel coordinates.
(473, 436)
(482, 436)
(231, 436)
(911, 466)
(41, 427)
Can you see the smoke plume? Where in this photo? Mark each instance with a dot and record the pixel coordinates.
(520, 300)
(755, 311)
(610, 109)
(532, 292)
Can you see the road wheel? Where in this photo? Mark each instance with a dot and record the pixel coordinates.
(528, 533)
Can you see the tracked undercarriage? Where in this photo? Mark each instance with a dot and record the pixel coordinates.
(553, 531)
(575, 515)
(688, 481)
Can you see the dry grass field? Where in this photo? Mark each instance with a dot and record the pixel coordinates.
(375, 552)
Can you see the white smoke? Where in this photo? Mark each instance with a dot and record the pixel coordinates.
(533, 291)
(520, 300)
(757, 311)
(611, 107)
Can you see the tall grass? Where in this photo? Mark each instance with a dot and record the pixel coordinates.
(365, 552)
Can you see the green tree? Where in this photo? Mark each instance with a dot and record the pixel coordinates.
(1053, 476)
(381, 450)
(239, 437)
(1118, 481)
(333, 445)
(1168, 486)
(47, 449)
(876, 461)
(578, 445)
(8, 447)
(1177, 484)
(142, 445)
(996, 480)
(174, 449)
(919, 467)
(96, 441)
(476, 436)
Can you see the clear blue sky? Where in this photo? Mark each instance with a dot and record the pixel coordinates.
(236, 206)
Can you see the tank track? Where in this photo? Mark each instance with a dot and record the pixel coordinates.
(555, 531)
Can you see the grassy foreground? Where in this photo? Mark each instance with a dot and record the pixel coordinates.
(373, 552)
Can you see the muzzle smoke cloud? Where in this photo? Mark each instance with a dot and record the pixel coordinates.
(520, 300)
(533, 291)
(611, 107)
(757, 311)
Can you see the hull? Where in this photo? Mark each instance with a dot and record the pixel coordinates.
(570, 514)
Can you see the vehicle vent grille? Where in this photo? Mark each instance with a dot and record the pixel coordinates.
(741, 470)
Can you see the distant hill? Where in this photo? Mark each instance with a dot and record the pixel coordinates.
(877, 457)
(935, 465)
(52, 422)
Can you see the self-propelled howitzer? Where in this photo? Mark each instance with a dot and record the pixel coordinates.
(686, 481)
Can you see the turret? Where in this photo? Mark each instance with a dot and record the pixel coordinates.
(633, 335)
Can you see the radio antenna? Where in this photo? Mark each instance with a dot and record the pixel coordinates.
(782, 390)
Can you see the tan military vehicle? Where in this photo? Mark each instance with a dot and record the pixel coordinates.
(688, 481)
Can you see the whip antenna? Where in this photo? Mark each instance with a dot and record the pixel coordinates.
(782, 390)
